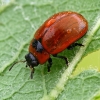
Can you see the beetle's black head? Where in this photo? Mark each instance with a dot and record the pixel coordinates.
(31, 60)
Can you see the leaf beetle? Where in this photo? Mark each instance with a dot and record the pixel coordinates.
(56, 34)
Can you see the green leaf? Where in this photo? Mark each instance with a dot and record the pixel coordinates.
(18, 22)
(88, 63)
(82, 87)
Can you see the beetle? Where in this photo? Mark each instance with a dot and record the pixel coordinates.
(56, 34)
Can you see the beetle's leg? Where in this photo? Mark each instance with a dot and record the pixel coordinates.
(62, 57)
(50, 64)
(32, 71)
(74, 45)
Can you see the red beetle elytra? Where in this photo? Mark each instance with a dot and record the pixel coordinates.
(57, 33)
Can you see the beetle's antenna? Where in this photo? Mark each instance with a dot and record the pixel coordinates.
(16, 63)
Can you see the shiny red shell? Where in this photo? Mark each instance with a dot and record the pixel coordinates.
(58, 32)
